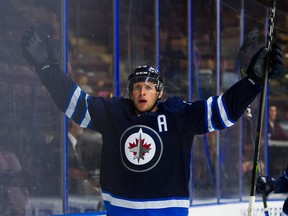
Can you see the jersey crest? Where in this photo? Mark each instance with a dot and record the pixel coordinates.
(141, 148)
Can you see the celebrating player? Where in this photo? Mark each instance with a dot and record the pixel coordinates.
(146, 141)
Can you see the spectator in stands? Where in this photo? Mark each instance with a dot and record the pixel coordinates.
(76, 171)
(81, 180)
(13, 190)
(275, 130)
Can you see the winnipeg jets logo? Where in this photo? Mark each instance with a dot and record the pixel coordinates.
(141, 148)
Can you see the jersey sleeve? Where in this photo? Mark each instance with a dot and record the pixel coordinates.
(238, 97)
(219, 112)
(66, 94)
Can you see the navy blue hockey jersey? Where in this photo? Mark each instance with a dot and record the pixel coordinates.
(145, 157)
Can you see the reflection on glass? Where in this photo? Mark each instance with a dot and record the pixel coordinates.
(174, 48)
(90, 66)
(204, 187)
(31, 126)
(137, 37)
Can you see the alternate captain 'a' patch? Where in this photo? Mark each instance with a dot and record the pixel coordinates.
(141, 148)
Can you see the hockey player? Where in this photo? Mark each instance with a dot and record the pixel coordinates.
(146, 142)
(268, 185)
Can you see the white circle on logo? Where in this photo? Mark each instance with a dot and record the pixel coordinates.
(139, 148)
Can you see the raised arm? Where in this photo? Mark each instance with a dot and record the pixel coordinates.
(255, 76)
(38, 49)
(225, 110)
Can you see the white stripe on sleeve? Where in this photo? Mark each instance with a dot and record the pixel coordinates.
(223, 112)
(209, 114)
(73, 102)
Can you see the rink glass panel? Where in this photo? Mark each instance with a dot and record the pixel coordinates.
(229, 159)
(33, 131)
(203, 186)
(90, 39)
(173, 47)
(277, 149)
(252, 20)
(31, 128)
(137, 37)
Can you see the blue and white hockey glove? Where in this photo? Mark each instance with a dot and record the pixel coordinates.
(257, 66)
(266, 184)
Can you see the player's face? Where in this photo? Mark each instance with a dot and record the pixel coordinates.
(144, 96)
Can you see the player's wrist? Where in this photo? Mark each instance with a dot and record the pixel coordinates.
(255, 80)
(46, 64)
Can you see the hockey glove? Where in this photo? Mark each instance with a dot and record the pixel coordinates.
(266, 185)
(38, 48)
(257, 66)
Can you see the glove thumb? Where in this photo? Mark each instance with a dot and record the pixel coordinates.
(259, 67)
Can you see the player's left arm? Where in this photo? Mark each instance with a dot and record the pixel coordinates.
(240, 95)
(224, 110)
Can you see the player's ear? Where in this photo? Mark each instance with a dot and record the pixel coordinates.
(160, 94)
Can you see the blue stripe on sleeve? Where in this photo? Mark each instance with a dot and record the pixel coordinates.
(80, 109)
(77, 108)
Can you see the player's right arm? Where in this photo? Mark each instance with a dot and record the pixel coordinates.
(39, 51)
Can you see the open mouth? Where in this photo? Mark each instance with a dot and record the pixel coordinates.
(142, 101)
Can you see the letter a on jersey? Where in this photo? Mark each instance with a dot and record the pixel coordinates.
(141, 148)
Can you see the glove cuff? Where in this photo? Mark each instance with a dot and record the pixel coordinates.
(46, 64)
(255, 80)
